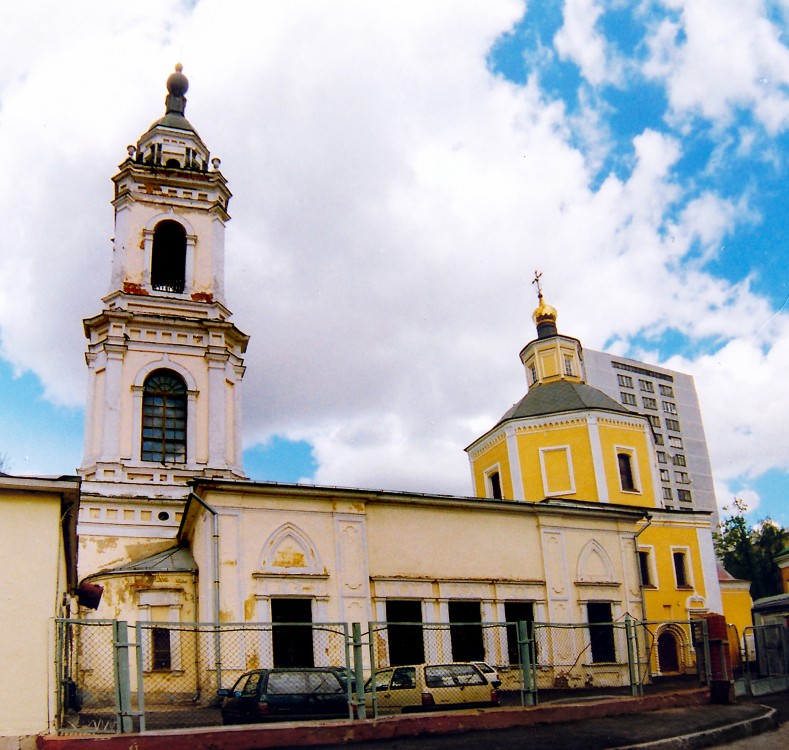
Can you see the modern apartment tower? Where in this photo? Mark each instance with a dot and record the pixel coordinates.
(668, 398)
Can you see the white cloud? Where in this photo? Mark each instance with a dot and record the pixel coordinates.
(580, 41)
(721, 56)
(392, 200)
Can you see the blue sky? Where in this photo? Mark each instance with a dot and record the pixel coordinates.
(398, 174)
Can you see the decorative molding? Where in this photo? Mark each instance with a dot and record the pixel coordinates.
(289, 550)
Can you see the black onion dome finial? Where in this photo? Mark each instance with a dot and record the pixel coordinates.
(177, 86)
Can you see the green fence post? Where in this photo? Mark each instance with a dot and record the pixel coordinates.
(524, 648)
(358, 669)
(140, 674)
(123, 705)
(631, 656)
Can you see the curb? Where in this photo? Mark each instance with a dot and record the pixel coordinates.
(258, 737)
(715, 736)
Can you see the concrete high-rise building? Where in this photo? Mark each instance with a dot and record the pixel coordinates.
(668, 399)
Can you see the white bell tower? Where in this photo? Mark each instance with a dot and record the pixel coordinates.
(165, 363)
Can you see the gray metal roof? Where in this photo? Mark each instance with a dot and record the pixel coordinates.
(172, 560)
(174, 120)
(559, 397)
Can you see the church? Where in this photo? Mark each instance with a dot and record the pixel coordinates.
(565, 521)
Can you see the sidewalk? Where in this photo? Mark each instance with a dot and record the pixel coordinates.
(683, 719)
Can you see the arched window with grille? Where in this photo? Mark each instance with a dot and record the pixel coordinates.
(168, 258)
(164, 418)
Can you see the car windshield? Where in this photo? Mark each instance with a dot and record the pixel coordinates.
(289, 683)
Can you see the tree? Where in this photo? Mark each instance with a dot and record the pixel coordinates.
(749, 552)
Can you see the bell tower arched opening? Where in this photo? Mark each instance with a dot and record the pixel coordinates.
(168, 258)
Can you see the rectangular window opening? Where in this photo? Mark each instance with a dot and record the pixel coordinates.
(680, 569)
(643, 563)
(162, 654)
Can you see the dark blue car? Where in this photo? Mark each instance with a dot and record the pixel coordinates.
(287, 694)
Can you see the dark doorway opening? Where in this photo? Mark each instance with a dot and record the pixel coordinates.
(668, 655)
(601, 631)
(515, 612)
(465, 631)
(292, 632)
(404, 629)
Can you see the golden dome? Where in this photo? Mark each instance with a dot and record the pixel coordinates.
(544, 313)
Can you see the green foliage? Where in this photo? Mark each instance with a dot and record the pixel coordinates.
(749, 552)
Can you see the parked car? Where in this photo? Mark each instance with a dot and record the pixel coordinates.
(491, 675)
(287, 694)
(426, 687)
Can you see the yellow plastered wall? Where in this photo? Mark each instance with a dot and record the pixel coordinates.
(666, 600)
(737, 604)
(32, 584)
(416, 542)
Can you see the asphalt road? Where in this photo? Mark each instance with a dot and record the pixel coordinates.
(602, 734)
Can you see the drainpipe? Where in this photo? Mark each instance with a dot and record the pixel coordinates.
(638, 566)
(215, 573)
(641, 589)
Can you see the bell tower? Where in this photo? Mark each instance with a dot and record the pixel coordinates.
(165, 362)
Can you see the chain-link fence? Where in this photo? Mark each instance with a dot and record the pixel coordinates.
(528, 660)
(86, 665)
(155, 675)
(158, 675)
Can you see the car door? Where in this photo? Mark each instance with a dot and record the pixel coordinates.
(247, 698)
(378, 685)
(403, 692)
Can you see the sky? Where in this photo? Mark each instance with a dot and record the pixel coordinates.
(399, 171)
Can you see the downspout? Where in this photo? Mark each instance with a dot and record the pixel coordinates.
(638, 564)
(215, 573)
(641, 589)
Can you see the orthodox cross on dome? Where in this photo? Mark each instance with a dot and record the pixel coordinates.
(536, 280)
(544, 316)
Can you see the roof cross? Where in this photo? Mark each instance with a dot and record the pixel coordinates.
(536, 280)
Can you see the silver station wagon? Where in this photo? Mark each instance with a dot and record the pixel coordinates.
(429, 687)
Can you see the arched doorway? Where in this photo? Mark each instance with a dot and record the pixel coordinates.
(668, 652)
